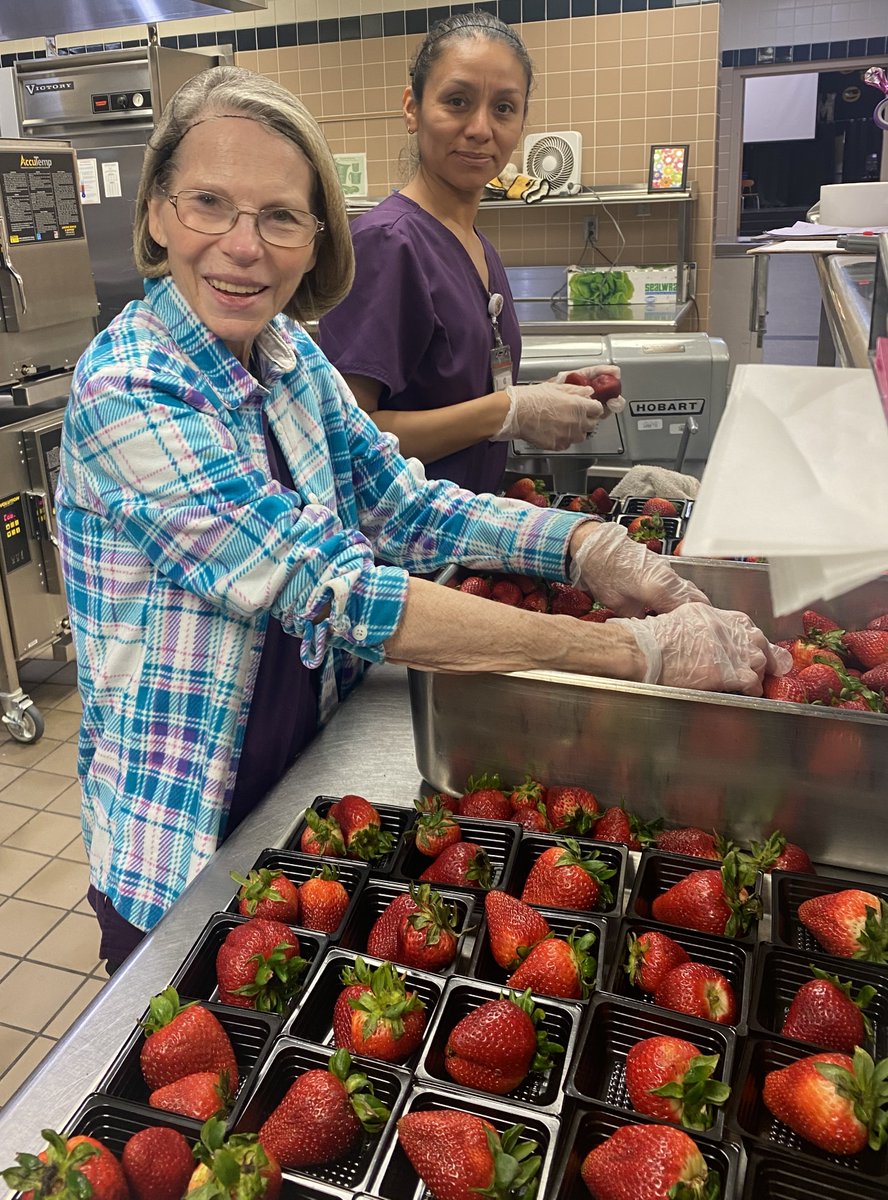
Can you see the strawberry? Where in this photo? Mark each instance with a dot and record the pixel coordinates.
(495, 1046)
(572, 808)
(876, 678)
(613, 826)
(652, 955)
(382, 941)
(525, 583)
(820, 681)
(375, 1015)
(463, 865)
(258, 966)
(696, 843)
(531, 791)
(814, 622)
(858, 704)
(512, 928)
(200, 1096)
(564, 877)
(435, 800)
(427, 935)
(648, 1162)
(698, 990)
(583, 504)
(784, 687)
(484, 797)
(777, 854)
(649, 531)
(459, 1156)
(183, 1039)
(850, 923)
(265, 893)
(476, 585)
(71, 1168)
(880, 622)
(232, 1168)
(869, 646)
(434, 830)
(524, 489)
(658, 507)
(321, 1115)
(569, 601)
(362, 828)
(157, 1162)
(598, 614)
(601, 500)
(559, 967)
(504, 591)
(324, 900)
(321, 835)
(836, 1102)
(670, 1078)
(531, 818)
(824, 646)
(825, 1012)
(535, 601)
(712, 901)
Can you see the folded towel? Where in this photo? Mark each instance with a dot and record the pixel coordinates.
(511, 185)
(656, 481)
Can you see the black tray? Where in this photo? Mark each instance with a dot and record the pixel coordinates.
(789, 890)
(658, 872)
(533, 845)
(561, 1022)
(632, 505)
(774, 1176)
(395, 1177)
(779, 973)
(313, 1022)
(725, 954)
(611, 1029)
(196, 978)
(592, 1124)
(395, 818)
(298, 867)
(499, 838)
(291, 1058)
(378, 895)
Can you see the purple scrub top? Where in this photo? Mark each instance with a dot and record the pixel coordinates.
(416, 320)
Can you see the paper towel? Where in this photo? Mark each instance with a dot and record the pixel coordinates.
(854, 204)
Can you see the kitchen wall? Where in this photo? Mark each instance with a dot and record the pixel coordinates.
(625, 74)
(747, 24)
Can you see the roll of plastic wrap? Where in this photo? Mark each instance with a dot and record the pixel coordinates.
(854, 204)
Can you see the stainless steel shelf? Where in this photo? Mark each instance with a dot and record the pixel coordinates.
(543, 318)
(626, 194)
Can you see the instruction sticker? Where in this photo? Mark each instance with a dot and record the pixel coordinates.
(651, 423)
(111, 179)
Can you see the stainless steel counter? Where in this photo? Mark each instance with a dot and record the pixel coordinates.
(367, 747)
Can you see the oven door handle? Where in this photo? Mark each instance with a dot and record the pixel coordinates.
(40, 519)
(6, 263)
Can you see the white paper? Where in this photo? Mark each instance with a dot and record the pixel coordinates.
(805, 229)
(111, 179)
(88, 173)
(798, 473)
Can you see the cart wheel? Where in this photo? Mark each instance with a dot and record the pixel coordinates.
(880, 116)
(29, 725)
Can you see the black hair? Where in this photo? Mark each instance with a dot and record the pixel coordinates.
(466, 25)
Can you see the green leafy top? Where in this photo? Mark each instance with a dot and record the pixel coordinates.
(58, 1176)
(236, 1164)
(696, 1092)
(866, 1087)
(164, 1008)
(516, 1165)
(369, 1110)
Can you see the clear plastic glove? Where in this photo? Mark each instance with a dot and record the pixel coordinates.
(698, 646)
(626, 576)
(616, 403)
(550, 415)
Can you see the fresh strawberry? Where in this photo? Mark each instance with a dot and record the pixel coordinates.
(183, 1039)
(495, 1046)
(601, 500)
(649, 531)
(157, 1162)
(559, 967)
(321, 835)
(598, 614)
(712, 901)
(485, 797)
(463, 865)
(696, 843)
(435, 830)
(698, 990)
(382, 941)
(532, 818)
(820, 681)
(652, 955)
(658, 507)
(880, 622)
(876, 678)
(815, 622)
(569, 601)
(504, 591)
(825, 1012)
(564, 877)
(670, 1078)
(535, 601)
(476, 585)
(321, 1115)
(526, 488)
(513, 928)
(784, 687)
(362, 828)
(648, 1162)
(199, 1096)
(836, 1102)
(258, 966)
(571, 808)
(857, 704)
(459, 1156)
(583, 504)
(525, 583)
(324, 900)
(427, 935)
(777, 854)
(850, 923)
(233, 1168)
(531, 791)
(825, 647)
(376, 1015)
(74, 1168)
(429, 803)
(618, 825)
(869, 646)
(266, 893)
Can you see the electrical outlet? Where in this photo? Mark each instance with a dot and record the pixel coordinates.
(591, 229)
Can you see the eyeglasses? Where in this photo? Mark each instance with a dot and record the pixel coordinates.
(207, 213)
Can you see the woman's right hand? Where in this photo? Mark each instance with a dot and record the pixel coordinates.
(550, 415)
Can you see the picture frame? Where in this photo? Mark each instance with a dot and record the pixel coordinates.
(668, 170)
(352, 171)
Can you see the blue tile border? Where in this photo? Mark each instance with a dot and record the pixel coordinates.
(803, 52)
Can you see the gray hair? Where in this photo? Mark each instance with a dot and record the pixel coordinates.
(226, 90)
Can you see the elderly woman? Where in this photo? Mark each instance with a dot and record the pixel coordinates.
(223, 504)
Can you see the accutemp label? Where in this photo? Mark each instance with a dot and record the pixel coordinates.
(667, 408)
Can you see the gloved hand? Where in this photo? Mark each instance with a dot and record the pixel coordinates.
(550, 415)
(698, 646)
(616, 403)
(626, 576)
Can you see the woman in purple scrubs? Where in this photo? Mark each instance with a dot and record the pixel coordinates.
(415, 338)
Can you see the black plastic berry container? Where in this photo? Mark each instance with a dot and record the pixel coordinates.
(774, 1176)
(196, 978)
(298, 867)
(396, 819)
(735, 962)
(779, 973)
(789, 890)
(533, 845)
(113, 1122)
(611, 1029)
(659, 871)
(544, 1092)
(593, 1124)
(251, 1034)
(499, 838)
(562, 923)
(749, 1117)
(632, 505)
(671, 525)
(313, 1022)
(395, 1177)
(378, 894)
(291, 1058)
(563, 500)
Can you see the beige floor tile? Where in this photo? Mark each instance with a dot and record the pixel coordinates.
(31, 994)
(33, 788)
(23, 924)
(12, 817)
(26, 754)
(73, 943)
(17, 867)
(71, 703)
(75, 851)
(61, 761)
(7, 962)
(84, 996)
(27, 1062)
(45, 833)
(59, 883)
(38, 670)
(67, 802)
(67, 673)
(12, 1043)
(84, 905)
(62, 725)
(47, 695)
(8, 773)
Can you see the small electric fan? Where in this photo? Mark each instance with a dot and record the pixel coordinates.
(555, 157)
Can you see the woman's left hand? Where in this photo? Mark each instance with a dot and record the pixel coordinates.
(587, 375)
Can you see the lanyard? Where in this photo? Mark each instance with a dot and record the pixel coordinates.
(500, 354)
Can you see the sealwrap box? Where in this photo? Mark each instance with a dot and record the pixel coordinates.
(624, 285)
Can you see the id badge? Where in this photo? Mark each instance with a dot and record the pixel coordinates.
(501, 367)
